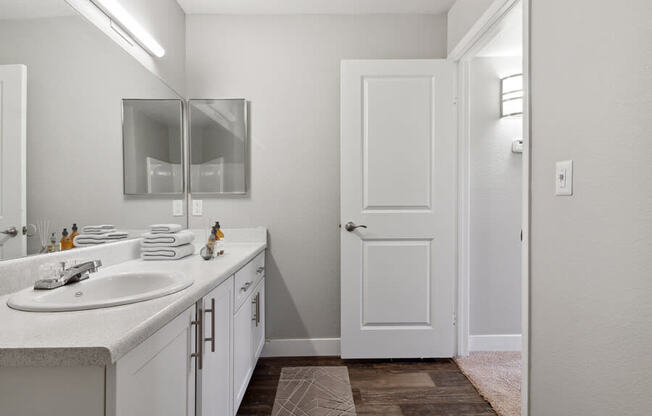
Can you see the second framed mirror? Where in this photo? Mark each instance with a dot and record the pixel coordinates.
(219, 148)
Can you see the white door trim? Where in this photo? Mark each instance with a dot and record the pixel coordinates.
(486, 26)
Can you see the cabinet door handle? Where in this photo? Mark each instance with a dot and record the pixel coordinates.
(255, 302)
(245, 287)
(258, 309)
(199, 336)
(212, 312)
(260, 269)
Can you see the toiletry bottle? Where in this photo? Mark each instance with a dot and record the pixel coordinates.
(52, 245)
(73, 234)
(211, 241)
(220, 236)
(218, 243)
(66, 244)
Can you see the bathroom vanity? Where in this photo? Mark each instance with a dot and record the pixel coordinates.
(189, 353)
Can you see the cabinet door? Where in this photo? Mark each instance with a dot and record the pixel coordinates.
(158, 376)
(215, 378)
(242, 357)
(258, 321)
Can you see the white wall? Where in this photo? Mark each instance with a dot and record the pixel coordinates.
(76, 79)
(591, 261)
(288, 67)
(495, 203)
(461, 17)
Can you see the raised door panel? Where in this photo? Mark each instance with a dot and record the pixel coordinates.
(215, 379)
(158, 376)
(242, 357)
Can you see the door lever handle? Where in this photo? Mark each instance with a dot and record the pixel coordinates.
(350, 226)
(11, 232)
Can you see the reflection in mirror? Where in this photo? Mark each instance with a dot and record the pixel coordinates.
(153, 147)
(218, 146)
(71, 79)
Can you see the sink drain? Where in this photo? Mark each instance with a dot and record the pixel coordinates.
(78, 294)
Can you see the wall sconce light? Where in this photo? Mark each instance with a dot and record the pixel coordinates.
(511, 96)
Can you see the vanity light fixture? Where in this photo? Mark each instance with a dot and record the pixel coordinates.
(511, 96)
(115, 11)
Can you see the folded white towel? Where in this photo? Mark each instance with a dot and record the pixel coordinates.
(167, 253)
(93, 239)
(97, 229)
(167, 240)
(165, 228)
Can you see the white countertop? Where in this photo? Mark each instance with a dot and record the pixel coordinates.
(99, 337)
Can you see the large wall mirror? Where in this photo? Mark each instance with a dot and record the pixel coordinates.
(218, 147)
(76, 78)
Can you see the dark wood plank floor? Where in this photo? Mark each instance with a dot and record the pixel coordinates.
(390, 388)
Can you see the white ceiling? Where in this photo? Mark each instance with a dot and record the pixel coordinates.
(32, 9)
(315, 6)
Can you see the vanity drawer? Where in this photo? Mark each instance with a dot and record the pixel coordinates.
(247, 278)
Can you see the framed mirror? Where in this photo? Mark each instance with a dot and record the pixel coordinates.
(219, 152)
(152, 140)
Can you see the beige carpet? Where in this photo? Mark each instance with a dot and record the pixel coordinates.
(314, 391)
(497, 376)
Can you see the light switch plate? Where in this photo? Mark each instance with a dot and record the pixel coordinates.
(197, 207)
(177, 208)
(564, 178)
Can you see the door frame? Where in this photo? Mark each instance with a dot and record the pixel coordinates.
(482, 31)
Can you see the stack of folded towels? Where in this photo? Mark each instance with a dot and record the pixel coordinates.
(98, 234)
(166, 242)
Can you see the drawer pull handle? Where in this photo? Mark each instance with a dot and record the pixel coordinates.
(245, 287)
(212, 312)
(199, 335)
(260, 269)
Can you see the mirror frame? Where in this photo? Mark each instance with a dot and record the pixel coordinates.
(247, 155)
(182, 122)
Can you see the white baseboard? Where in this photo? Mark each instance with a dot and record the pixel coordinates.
(495, 342)
(303, 347)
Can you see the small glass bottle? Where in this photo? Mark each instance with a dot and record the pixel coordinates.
(53, 245)
(73, 234)
(66, 242)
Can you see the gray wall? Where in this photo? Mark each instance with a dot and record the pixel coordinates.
(591, 258)
(495, 209)
(288, 67)
(76, 79)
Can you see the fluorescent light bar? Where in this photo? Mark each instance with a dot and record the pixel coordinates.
(131, 26)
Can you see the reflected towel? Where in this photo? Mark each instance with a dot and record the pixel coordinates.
(165, 228)
(94, 239)
(167, 253)
(167, 240)
(97, 229)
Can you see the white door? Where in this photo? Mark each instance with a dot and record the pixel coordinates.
(13, 126)
(215, 378)
(398, 161)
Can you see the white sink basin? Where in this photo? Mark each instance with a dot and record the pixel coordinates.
(101, 292)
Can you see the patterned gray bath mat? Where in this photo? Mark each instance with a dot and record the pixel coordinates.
(314, 391)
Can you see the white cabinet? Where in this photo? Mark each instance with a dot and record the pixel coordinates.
(158, 376)
(243, 363)
(258, 320)
(248, 324)
(215, 377)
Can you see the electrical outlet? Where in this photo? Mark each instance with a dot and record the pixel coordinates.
(177, 208)
(197, 207)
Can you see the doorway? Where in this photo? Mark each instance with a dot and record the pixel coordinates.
(493, 206)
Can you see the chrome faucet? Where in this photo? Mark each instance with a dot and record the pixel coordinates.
(72, 274)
